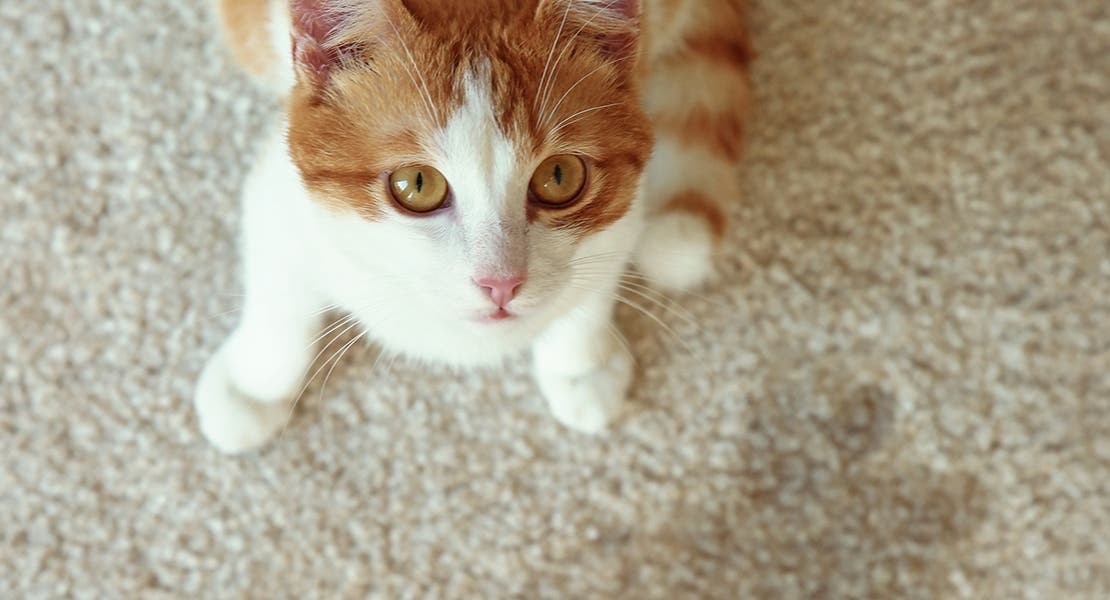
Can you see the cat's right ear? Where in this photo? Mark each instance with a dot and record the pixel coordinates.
(315, 24)
(615, 24)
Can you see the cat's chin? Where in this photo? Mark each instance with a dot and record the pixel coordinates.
(472, 340)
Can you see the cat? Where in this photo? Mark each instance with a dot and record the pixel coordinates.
(471, 180)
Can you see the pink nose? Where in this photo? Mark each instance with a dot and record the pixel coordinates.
(501, 290)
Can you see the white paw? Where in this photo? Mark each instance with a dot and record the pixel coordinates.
(676, 251)
(231, 421)
(589, 402)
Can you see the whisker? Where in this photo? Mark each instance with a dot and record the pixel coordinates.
(337, 324)
(613, 254)
(225, 313)
(684, 315)
(325, 309)
(352, 320)
(308, 382)
(667, 328)
(649, 283)
(685, 293)
(616, 261)
(381, 353)
(558, 61)
(423, 84)
(578, 116)
(332, 359)
(389, 367)
(335, 362)
(551, 54)
(555, 109)
(644, 311)
(623, 341)
(601, 259)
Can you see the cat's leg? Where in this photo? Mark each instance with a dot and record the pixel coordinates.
(697, 95)
(243, 396)
(582, 368)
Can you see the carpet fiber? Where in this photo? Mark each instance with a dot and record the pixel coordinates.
(899, 389)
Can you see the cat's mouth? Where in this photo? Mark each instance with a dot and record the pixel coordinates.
(497, 316)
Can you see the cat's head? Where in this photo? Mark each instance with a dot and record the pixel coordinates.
(481, 155)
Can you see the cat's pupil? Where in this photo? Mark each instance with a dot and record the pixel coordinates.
(420, 182)
(559, 174)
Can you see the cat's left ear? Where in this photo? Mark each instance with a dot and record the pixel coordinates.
(615, 24)
(314, 23)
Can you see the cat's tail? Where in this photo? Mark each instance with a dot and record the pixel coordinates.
(257, 33)
(698, 95)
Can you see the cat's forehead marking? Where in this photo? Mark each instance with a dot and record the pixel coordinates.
(479, 160)
(483, 167)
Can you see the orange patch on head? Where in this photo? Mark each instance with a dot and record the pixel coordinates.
(399, 80)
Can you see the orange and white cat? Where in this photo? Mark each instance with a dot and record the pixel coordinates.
(471, 180)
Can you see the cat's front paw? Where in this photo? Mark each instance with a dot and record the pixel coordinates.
(231, 421)
(589, 402)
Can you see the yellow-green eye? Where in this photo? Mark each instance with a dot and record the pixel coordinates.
(559, 180)
(420, 189)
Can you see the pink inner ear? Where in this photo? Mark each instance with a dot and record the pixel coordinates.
(615, 24)
(622, 44)
(314, 21)
(628, 8)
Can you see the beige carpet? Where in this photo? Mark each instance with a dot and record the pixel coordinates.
(900, 390)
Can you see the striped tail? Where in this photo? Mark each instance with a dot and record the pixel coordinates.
(698, 95)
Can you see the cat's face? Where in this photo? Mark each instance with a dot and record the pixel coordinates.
(477, 154)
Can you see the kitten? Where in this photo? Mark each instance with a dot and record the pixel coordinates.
(470, 180)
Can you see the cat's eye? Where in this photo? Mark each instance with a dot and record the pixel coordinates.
(559, 180)
(420, 189)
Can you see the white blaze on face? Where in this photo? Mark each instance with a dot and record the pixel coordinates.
(488, 182)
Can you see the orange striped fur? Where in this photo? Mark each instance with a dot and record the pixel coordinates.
(698, 96)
